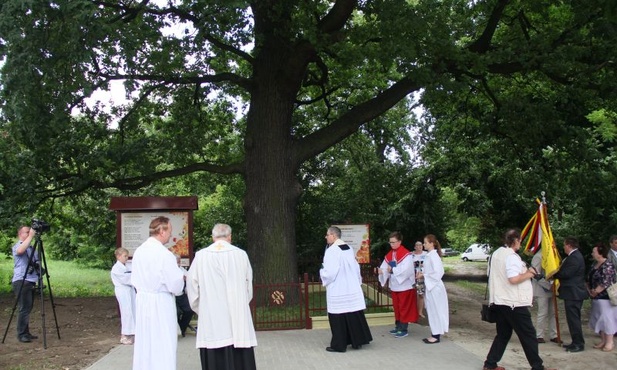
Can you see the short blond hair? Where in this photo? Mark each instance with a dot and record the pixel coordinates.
(120, 251)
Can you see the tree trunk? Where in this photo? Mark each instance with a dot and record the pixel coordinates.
(272, 193)
(272, 189)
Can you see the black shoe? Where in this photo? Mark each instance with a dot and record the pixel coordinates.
(330, 349)
(566, 346)
(25, 339)
(555, 340)
(32, 336)
(541, 340)
(575, 349)
(356, 347)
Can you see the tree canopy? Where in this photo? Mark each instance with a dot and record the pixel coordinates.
(517, 94)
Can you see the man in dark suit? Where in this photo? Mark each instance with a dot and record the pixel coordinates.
(572, 290)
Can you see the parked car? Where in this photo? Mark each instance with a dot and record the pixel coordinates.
(447, 252)
(477, 252)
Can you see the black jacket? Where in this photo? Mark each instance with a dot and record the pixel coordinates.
(571, 277)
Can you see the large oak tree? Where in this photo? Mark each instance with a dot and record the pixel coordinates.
(254, 87)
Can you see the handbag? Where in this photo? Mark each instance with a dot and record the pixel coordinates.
(486, 313)
(612, 293)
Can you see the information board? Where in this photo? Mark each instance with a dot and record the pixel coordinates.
(357, 237)
(135, 230)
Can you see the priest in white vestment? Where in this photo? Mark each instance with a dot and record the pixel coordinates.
(340, 275)
(158, 280)
(220, 288)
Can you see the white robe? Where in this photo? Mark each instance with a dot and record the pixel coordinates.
(402, 277)
(158, 279)
(125, 294)
(220, 288)
(341, 277)
(436, 298)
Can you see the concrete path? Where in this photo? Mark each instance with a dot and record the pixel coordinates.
(305, 350)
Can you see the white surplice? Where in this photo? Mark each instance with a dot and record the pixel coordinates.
(158, 279)
(220, 288)
(402, 277)
(341, 277)
(436, 298)
(125, 294)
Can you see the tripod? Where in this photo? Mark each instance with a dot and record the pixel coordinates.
(40, 268)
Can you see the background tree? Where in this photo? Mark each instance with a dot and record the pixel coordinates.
(259, 88)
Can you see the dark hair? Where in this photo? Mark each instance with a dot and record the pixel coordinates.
(612, 238)
(397, 235)
(433, 239)
(511, 236)
(571, 241)
(602, 249)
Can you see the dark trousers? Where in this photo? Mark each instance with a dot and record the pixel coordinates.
(573, 317)
(185, 314)
(25, 300)
(349, 328)
(227, 358)
(519, 321)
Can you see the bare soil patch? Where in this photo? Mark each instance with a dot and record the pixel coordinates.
(89, 328)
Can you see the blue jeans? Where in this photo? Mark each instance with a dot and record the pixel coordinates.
(25, 299)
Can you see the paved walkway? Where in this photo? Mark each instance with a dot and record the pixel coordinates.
(305, 350)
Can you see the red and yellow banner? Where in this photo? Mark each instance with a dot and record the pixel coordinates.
(541, 237)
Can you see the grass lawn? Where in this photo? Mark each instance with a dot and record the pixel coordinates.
(67, 279)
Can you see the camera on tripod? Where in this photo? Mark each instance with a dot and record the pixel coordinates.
(35, 267)
(40, 226)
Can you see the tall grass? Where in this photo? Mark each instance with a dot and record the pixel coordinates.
(67, 279)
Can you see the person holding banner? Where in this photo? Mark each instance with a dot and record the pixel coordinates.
(398, 268)
(573, 291)
(543, 294)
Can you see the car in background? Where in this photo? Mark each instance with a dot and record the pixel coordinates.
(449, 252)
(477, 252)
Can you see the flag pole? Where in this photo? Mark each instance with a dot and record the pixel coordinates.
(554, 297)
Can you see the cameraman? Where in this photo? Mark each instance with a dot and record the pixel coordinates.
(24, 288)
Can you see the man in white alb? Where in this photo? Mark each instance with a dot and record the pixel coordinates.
(157, 279)
(220, 288)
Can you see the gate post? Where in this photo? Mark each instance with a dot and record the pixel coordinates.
(309, 320)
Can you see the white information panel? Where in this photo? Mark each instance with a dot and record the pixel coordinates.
(357, 237)
(135, 230)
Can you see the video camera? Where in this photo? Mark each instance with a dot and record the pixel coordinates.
(40, 226)
(35, 267)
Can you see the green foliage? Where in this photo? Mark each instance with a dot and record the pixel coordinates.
(287, 96)
(223, 205)
(68, 279)
(462, 229)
